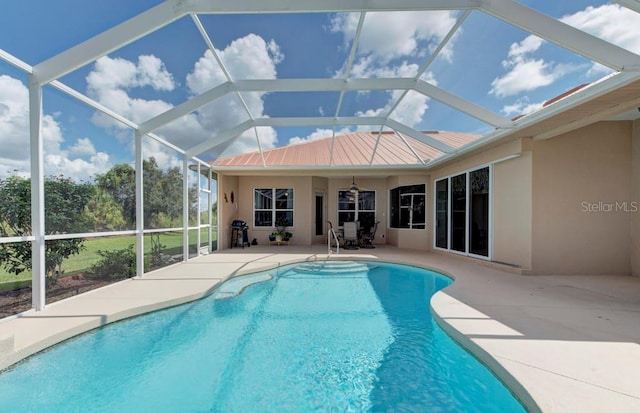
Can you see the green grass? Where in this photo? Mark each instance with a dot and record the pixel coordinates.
(75, 264)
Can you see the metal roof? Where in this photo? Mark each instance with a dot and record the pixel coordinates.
(376, 146)
(352, 150)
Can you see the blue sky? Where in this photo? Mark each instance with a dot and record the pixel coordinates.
(488, 62)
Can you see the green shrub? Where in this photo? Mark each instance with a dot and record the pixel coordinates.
(114, 265)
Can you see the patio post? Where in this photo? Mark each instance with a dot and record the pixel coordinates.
(185, 208)
(210, 212)
(139, 207)
(198, 219)
(38, 255)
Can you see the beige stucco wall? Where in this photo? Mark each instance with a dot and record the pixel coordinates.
(589, 168)
(510, 202)
(226, 209)
(635, 228)
(409, 238)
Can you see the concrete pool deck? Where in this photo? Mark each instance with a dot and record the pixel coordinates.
(571, 342)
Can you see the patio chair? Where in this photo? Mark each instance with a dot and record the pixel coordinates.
(350, 235)
(366, 240)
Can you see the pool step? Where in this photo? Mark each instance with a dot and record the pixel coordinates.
(331, 268)
(234, 286)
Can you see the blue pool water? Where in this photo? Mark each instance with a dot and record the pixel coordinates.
(315, 338)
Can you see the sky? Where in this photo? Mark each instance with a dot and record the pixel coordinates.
(487, 62)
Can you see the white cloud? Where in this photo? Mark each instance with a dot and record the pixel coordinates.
(83, 147)
(521, 107)
(529, 45)
(317, 134)
(111, 79)
(387, 42)
(116, 73)
(14, 126)
(364, 68)
(409, 111)
(611, 22)
(251, 57)
(526, 73)
(14, 139)
(389, 35)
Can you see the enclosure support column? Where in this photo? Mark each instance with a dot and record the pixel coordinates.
(198, 218)
(139, 208)
(38, 255)
(210, 214)
(185, 208)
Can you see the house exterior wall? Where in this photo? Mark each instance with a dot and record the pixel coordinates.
(577, 179)
(510, 199)
(512, 211)
(226, 209)
(303, 204)
(635, 224)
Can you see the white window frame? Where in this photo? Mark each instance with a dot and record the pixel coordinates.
(425, 223)
(356, 211)
(273, 208)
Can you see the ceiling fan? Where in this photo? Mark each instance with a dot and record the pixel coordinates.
(354, 188)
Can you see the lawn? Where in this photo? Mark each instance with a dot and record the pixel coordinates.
(171, 241)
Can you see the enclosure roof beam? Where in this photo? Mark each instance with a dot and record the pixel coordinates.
(185, 108)
(220, 138)
(434, 143)
(325, 6)
(462, 105)
(630, 4)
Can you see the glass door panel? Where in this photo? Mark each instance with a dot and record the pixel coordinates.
(442, 213)
(479, 212)
(459, 213)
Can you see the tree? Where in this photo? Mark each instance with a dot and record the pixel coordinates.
(64, 203)
(120, 183)
(162, 193)
(104, 212)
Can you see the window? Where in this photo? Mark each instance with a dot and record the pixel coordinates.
(408, 207)
(462, 212)
(358, 206)
(272, 205)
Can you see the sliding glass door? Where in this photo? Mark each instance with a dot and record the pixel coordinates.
(462, 221)
(479, 212)
(442, 213)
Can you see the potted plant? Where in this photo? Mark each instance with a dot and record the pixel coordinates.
(281, 224)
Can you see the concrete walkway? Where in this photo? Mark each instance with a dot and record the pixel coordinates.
(561, 343)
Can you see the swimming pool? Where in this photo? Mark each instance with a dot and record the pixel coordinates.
(337, 336)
